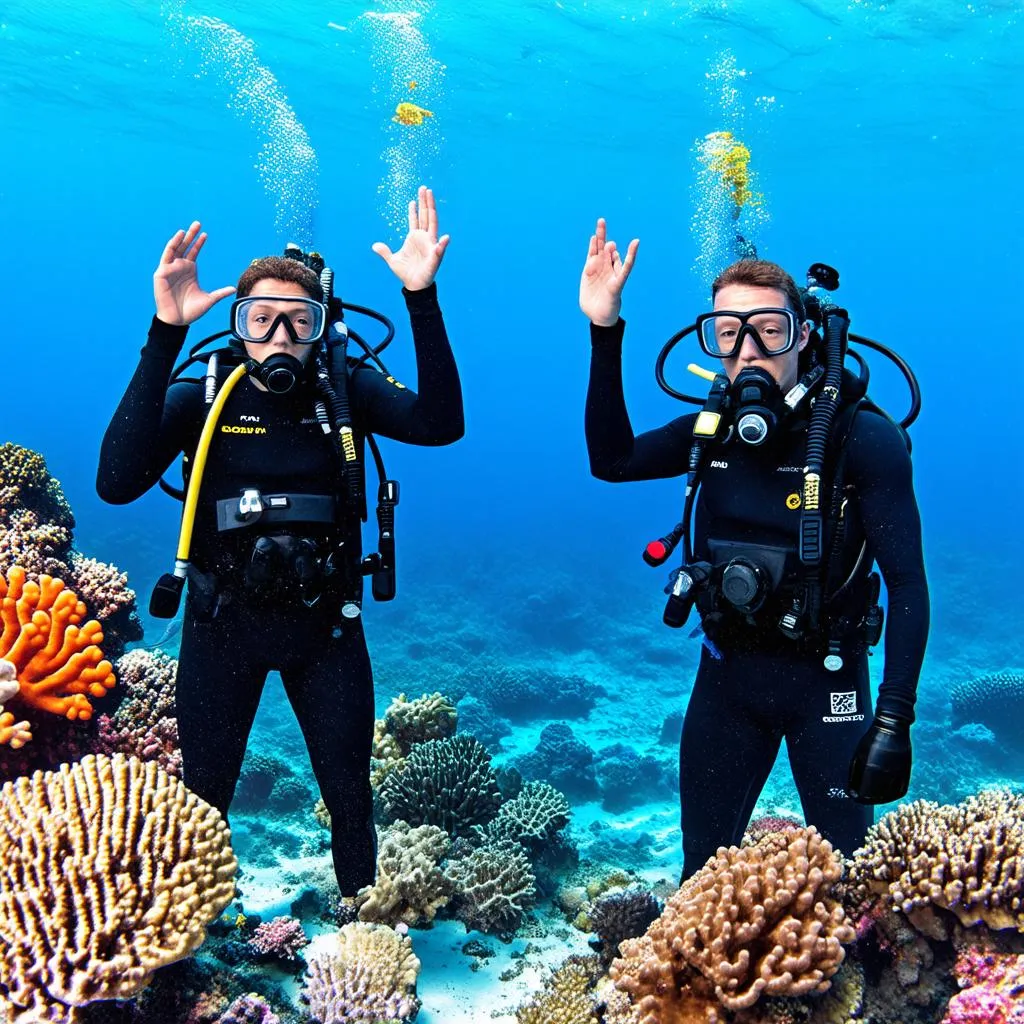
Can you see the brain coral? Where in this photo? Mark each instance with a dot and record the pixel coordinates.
(109, 869)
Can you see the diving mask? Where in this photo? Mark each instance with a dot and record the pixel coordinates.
(774, 330)
(255, 318)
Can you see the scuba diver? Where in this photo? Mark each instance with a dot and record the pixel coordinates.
(795, 485)
(270, 543)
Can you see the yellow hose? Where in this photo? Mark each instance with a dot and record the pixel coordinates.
(195, 481)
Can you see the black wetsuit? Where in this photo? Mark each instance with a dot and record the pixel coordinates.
(275, 444)
(754, 685)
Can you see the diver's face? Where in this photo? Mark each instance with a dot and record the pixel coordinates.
(280, 341)
(784, 367)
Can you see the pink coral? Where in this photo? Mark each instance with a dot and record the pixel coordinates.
(102, 586)
(993, 988)
(249, 1009)
(281, 938)
(158, 742)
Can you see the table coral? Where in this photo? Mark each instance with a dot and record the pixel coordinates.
(109, 870)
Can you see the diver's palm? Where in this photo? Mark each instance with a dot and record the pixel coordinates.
(179, 299)
(177, 288)
(416, 263)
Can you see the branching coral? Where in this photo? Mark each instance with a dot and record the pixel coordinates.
(410, 885)
(15, 734)
(754, 921)
(495, 886)
(449, 783)
(966, 858)
(566, 997)
(59, 663)
(369, 975)
(532, 818)
(430, 717)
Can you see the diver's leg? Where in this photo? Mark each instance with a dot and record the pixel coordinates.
(330, 686)
(837, 712)
(221, 671)
(726, 753)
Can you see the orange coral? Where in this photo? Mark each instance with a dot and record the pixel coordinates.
(58, 662)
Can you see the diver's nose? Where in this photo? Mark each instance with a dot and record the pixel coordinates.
(280, 335)
(749, 352)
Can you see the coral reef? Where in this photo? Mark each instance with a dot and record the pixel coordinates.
(109, 870)
(995, 701)
(280, 939)
(992, 989)
(565, 998)
(370, 975)
(532, 818)
(968, 859)
(59, 663)
(477, 719)
(430, 717)
(36, 527)
(754, 921)
(495, 886)
(617, 916)
(27, 484)
(249, 1009)
(524, 694)
(563, 760)
(144, 725)
(410, 886)
(448, 783)
(627, 778)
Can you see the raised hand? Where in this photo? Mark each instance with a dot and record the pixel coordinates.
(604, 276)
(179, 299)
(416, 263)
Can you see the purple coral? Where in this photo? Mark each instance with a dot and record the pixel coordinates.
(249, 1009)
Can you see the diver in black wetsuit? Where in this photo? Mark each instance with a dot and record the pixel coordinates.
(267, 583)
(761, 679)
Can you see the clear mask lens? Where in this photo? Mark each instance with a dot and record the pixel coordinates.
(722, 334)
(258, 317)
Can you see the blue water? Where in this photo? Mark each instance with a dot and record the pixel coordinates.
(885, 138)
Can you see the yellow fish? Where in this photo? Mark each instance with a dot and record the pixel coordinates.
(413, 84)
(409, 113)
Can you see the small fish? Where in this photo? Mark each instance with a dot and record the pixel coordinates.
(413, 84)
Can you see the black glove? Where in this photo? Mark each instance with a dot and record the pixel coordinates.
(880, 769)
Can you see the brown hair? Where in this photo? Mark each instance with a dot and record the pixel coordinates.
(762, 274)
(280, 268)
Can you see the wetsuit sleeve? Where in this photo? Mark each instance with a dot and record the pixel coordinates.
(151, 424)
(879, 467)
(615, 453)
(431, 415)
